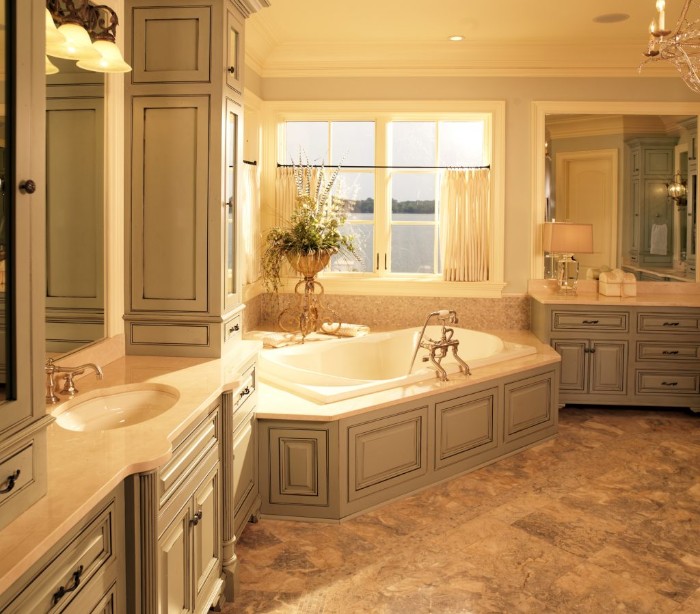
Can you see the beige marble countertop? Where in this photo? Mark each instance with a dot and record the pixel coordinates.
(277, 404)
(649, 294)
(84, 467)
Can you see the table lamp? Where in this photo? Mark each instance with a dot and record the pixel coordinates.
(567, 239)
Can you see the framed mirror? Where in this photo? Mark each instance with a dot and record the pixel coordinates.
(599, 163)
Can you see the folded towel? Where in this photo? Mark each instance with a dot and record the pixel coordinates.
(344, 330)
(658, 245)
(278, 340)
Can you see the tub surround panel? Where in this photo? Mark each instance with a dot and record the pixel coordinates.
(395, 312)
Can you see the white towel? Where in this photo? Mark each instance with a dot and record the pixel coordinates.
(659, 240)
(344, 330)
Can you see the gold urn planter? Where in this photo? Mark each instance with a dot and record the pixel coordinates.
(310, 264)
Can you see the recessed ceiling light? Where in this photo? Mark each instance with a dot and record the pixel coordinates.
(611, 18)
(456, 37)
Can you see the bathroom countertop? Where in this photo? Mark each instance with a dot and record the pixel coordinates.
(85, 467)
(277, 404)
(649, 294)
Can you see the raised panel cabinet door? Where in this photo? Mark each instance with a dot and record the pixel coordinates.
(574, 366)
(174, 568)
(206, 535)
(234, 51)
(529, 405)
(608, 367)
(244, 464)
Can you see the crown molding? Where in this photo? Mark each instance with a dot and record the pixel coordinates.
(248, 7)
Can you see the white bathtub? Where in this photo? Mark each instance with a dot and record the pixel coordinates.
(339, 369)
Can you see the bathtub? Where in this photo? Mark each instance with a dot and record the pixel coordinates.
(338, 369)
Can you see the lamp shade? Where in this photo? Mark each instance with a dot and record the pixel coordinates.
(110, 59)
(567, 238)
(77, 45)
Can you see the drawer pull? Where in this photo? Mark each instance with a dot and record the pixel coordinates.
(234, 328)
(10, 481)
(58, 595)
(670, 352)
(671, 324)
(669, 383)
(196, 518)
(244, 392)
(591, 321)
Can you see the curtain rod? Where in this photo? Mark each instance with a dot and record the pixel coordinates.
(488, 166)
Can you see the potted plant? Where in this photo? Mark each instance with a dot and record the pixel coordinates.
(312, 234)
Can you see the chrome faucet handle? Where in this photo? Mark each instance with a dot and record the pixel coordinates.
(68, 384)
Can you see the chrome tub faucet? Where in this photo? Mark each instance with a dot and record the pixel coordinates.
(437, 349)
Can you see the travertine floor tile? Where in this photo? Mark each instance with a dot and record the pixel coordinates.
(604, 518)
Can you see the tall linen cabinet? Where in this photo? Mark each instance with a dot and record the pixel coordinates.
(184, 118)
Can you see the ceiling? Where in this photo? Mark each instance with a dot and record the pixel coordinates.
(516, 37)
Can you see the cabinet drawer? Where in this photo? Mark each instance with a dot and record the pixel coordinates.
(16, 472)
(63, 579)
(585, 320)
(668, 382)
(243, 398)
(188, 455)
(668, 323)
(658, 350)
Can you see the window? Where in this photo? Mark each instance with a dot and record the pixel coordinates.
(390, 177)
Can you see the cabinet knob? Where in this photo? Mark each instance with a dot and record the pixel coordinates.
(231, 69)
(27, 186)
(196, 518)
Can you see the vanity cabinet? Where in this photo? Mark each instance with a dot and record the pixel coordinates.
(624, 356)
(82, 573)
(651, 167)
(23, 418)
(175, 525)
(239, 469)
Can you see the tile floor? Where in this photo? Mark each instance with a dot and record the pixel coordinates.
(605, 518)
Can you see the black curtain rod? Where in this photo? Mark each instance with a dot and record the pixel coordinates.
(370, 166)
(251, 162)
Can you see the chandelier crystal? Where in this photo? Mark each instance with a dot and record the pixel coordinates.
(679, 45)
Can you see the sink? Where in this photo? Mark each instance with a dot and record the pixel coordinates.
(116, 407)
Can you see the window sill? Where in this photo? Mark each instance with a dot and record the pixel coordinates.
(378, 286)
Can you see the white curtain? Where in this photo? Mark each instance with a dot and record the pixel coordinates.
(286, 192)
(464, 224)
(250, 221)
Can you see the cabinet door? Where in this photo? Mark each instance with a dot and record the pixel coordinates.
(635, 198)
(174, 576)
(231, 214)
(656, 212)
(245, 468)
(206, 536)
(574, 366)
(234, 49)
(608, 366)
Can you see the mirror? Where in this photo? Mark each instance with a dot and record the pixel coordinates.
(612, 170)
(75, 206)
(5, 248)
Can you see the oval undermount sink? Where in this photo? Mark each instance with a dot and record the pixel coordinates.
(116, 407)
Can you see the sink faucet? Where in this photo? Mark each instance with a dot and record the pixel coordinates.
(438, 348)
(69, 388)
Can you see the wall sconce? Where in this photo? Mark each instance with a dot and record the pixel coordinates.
(677, 190)
(79, 30)
(566, 239)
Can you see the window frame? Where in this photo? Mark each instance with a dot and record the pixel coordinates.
(382, 113)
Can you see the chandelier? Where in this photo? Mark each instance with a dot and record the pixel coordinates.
(680, 45)
(85, 32)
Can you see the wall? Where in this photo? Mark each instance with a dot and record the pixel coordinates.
(519, 93)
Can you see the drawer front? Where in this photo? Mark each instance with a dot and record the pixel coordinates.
(63, 579)
(668, 323)
(668, 382)
(16, 472)
(658, 350)
(244, 398)
(586, 321)
(187, 456)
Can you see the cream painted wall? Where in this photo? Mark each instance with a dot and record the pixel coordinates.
(518, 92)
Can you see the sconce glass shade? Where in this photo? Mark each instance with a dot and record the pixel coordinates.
(110, 59)
(53, 37)
(49, 67)
(566, 238)
(77, 45)
(676, 189)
